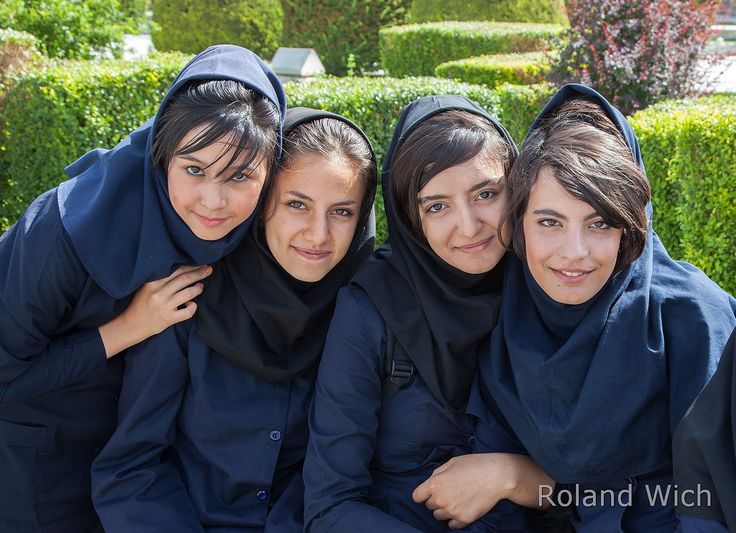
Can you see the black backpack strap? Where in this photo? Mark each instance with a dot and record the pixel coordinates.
(398, 369)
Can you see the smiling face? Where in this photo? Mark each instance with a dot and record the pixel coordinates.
(459, 210)
(570, 250)
(211, 198)
(313, 212)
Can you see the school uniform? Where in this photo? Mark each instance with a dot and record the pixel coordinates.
(593, 392)
(365, 457)
(213, 415)
(70, 264)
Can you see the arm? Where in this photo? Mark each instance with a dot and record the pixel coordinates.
(135, 484)
(343, 426)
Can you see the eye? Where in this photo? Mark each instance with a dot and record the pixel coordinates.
(486, 195)
(195, 171)
(548, 223)
(341, 211)
(296, 204)
(600, 224)
(239, 178)
(436, 208)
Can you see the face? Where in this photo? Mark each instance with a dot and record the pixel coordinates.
(570, 250)
(313, 212)
(460, 210)
(211, 199)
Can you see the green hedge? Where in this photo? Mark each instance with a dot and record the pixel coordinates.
(552, 11)
(193, 25)
(416, 49)
(53, 116)
(689, 150)
(494, 70)
(338, 28)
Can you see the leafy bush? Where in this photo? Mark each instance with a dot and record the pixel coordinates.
(54, 116)
(519, 105)
(69, 28)
(193, 25)
(493, 70)
(689, 149)
(18, 50)
(552, 11)
(338, 28)
(637, 53)
(416, 49)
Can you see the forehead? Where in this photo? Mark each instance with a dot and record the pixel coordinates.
(321, 177)
(548, 193)
(460, 178)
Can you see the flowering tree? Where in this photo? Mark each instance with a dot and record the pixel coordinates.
(639, 52)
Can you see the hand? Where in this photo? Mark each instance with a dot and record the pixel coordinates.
(155, 306)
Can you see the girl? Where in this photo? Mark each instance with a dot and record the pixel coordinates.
(213, 428)
(179, 190)
(604, 340)
(413, 314)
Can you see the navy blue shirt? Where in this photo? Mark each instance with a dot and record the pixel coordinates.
(365, 459)
(58, 392)
(202, 444)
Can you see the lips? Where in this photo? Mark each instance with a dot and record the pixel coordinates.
(478, 246)
(210, 222)
(571, 275)
(312, 255)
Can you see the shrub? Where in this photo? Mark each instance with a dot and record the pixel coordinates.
(69, 28)
(18, 50)
(416, 49)
(637, 53)
(193, 25)
(519, 105)
(54, 116)
(493, 70)
(338, 28)
(552, 11)
(690, 151)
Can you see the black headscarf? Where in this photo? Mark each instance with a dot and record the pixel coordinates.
(594, 391)
(116, 208)
(256, 315)
(704, 445)
(436, 312)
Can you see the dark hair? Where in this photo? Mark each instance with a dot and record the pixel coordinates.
(592, 162)
(442, 141)
(226, 108)
(333, 138)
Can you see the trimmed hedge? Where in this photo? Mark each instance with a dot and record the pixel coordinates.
(494, 70)
(519, 105)
(18, 51)
(689, 149)
(193, 25)
(552, 11)
(52, 117)
(416, 49)
(338, 28)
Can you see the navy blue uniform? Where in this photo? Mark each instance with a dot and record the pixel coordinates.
(58, 392)
(365, 459)
(202, 444)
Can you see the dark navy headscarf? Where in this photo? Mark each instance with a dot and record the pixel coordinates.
(594, 391)
(116, 207)
(436, 312)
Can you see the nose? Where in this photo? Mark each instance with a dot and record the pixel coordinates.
(469, 224)
(317, 232)
(574, 245)
(212, 195)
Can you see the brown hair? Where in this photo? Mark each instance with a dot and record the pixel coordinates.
(592, 162)
(442, 141)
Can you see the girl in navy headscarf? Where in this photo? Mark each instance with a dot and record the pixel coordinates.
(180, 190)
(213, 414)
(413, 315)
(603, 340)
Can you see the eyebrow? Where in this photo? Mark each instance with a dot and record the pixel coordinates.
(556, 214)
(303, 196)
(204, 164)
(476, 187)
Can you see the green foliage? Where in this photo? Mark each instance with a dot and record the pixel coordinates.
(193, 25)
(416, 49)
(689, 149)
(375, 104)
(77, 29)
(552, 11)
(519, 105)
(494, 70)
(18, 51)
(54, 116)
(338, 28)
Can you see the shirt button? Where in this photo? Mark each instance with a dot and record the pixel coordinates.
(262, 495)
(275, 435)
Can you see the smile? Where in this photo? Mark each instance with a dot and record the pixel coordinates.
(572, 275)
(210, 222)
(312, 255)
(476, 246)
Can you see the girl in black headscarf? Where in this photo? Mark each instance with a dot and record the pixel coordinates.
(604, 340)
(180, 190)
(213, 413)
(415, 312)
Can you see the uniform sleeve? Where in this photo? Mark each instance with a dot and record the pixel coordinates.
(135, 484)
(41, 279)
(343, 426)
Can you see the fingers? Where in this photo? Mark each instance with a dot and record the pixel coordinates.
(457, 524)
(175, 283)
(185, 313)
(185, 295)
(441, 514)
(421, 493)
